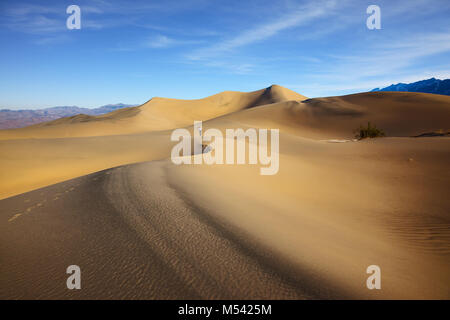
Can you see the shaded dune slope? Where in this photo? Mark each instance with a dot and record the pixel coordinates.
(397, 113)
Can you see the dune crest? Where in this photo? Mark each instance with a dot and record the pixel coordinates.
(155, 115)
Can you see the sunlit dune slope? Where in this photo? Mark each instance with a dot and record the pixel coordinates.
(156, 114)
(336, 208)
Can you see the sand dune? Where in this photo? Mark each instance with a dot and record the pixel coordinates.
(37, 156)
(332, 210)
(154, 115)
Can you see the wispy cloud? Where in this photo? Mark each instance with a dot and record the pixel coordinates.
(33, 19)
(157, 41)
(160, 41)
(302, 15)
(391, 56)
(378, 65)
(232, 67)
(47, 40)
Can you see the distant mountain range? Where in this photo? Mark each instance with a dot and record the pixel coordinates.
(10, 119)
(432, 85)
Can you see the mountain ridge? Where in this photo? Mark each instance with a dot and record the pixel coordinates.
(432, 85)
(10, 119)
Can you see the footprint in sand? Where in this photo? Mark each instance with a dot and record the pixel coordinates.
(14, 217)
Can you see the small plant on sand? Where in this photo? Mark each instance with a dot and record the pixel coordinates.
(371, 131)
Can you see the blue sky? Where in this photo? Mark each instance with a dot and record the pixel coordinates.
(130, 51)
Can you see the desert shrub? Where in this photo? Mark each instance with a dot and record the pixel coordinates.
(371, 131)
